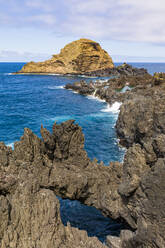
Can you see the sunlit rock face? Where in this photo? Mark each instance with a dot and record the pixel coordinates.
(78, 57)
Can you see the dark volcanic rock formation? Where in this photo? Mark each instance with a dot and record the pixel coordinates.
(121, 70)
(36, 170)
(147, 118)
(57, 164)
(29, 209)
(111, 90)
(140, 127)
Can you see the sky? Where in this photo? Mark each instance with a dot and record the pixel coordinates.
(129, 30)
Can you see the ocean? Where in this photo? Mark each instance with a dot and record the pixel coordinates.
(32, 100)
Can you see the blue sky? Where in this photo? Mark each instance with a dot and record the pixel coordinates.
(130, 30)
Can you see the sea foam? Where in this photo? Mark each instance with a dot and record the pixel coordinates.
(114, 108)
(94, 97)
(56, 87)
(61, 118)
(10, 145)
(6, 74)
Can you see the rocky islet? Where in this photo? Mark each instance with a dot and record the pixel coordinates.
(82, 56)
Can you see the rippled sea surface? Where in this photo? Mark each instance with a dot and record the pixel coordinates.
(32, 100)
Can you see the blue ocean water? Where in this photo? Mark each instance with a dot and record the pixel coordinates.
(32, 100)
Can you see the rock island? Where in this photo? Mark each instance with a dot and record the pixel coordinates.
(78, 57)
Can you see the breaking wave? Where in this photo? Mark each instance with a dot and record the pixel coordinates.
(114, 108)
(56, 87)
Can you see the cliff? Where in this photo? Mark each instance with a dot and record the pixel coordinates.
(78, 57)
(138, 183)
(133, 191)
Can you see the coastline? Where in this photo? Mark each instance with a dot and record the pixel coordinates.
(54, 74)
(142, 165)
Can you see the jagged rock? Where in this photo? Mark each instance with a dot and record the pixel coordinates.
(113, 242)
(4, 213)
(122, 70)
(78, 57)
(29, 209)
(140, 127)
(159, 78)
(111, 90)
(132, 191)
(81, 87)
(146, 207)
(35, 220)
(141, 118)
(134, 167)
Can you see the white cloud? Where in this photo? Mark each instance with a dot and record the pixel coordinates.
(91, 6)
(131, 20)
(8, 55)
(45, 19)
(46, 5)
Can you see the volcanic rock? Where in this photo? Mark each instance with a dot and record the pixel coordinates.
(131, 192)
(29, 209)
(140, 126)
(121, 70)
(78, 57)
(111, 90)
(141, 118)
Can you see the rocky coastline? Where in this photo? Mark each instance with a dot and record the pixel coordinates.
(140, 128)
(37, 170)
(117, 88)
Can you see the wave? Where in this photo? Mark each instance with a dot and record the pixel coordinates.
(92, 97)
(84, 76)
(10, 145)
(98, 115)
(101, 81)
(114, 108)
(62, 118)
(55, 87)
(54, 74)
(6, 73)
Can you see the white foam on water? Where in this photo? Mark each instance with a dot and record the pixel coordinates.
(114, 108)
(91, 97)
(94, 97)
(11, 145)
(101, 81)
(99, 114)
(62, 118)
(54, 74)
(83, 76)
(55, 87)
(6, 74)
